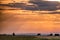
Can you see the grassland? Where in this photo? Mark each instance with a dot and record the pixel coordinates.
(29, 38)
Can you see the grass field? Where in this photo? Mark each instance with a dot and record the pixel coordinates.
(29, 38)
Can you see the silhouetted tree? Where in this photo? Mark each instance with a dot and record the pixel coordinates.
(13, 34)
(56, 35)
(38, 34)
(51, 34)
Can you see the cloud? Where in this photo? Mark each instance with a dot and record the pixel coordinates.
(42, 5)
(36, 5)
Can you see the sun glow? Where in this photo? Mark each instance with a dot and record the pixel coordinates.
(53, 0)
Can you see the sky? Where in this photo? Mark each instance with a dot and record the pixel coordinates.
(11, 1)
(26, 21)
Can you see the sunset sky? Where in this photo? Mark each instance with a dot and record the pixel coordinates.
(30, 19)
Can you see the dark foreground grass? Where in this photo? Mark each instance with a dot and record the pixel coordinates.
(29, 38)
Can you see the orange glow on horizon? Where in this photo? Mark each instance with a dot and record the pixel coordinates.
(43, 23)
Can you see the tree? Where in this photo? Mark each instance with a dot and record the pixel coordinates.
(13, 34)
(51, 34)
(38, 34)
(56, 34)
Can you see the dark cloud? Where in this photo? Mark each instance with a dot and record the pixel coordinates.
(36, 5)
(45, 5)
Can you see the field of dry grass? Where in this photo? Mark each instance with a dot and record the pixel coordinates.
(29, 38)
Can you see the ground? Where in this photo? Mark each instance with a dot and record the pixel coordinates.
(29, 38)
